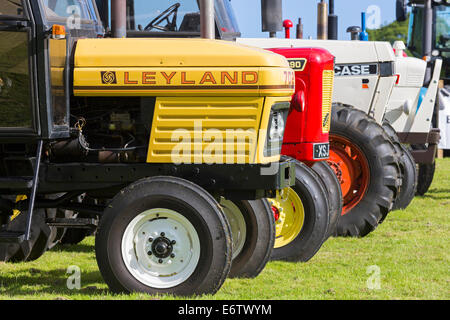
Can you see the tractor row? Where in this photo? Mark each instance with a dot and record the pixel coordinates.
(193, 160)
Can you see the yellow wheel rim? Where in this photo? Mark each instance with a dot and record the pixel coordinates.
(291, 218)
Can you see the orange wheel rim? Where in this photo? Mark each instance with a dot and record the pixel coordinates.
(352, 169)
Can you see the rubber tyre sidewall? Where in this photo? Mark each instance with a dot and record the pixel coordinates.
(334, 193)
(409, 180)
(408, 170)
(259, 241)
(28, 250)
(425, 173)
(357, 127)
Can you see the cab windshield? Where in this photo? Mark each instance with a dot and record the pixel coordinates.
(168, 16)
(415, 31)
(225, 17)
(441, 32)
(443, 28)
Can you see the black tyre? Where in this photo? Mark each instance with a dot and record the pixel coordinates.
(408, 171)
(334, 193)
(31, 249)
(74, 236)
(366, 164)
(58, 234)
(253, 232)
(164, 235)
(426, 173)
(302, 219)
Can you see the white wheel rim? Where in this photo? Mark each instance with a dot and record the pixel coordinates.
(237, 224)
(163, 226)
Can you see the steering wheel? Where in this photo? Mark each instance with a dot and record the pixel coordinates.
(171, 25)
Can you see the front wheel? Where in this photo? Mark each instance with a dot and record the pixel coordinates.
(164, 235)
(301, 217)
(253, 233)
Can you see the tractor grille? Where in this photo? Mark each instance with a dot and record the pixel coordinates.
(327, 96)
(205, 130)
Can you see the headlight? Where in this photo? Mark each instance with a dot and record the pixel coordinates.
(275, 131)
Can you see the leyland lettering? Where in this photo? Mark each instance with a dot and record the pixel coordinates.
(181, 78)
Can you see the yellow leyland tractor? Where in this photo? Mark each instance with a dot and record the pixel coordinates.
(307, 213)
(168, 146)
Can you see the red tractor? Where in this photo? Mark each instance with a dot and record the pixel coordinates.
(306, 139)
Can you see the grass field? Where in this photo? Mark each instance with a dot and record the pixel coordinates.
(409, 253)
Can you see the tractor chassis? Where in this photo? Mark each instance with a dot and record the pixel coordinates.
(431, 138)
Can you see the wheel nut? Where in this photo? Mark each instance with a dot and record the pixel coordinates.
(172, 255)
(162, 234)
(150, 239)
(173, 242)
(160, 261)
(149, 253)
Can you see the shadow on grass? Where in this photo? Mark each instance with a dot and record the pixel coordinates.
(74, 248)
(436, 194)
(52, 282)
(438, 191)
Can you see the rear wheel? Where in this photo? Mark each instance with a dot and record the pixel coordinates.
(164, 235)
(253, 233)
(366, 165)
(301, 217)
(74, 236)
(334, 193)
(28, 250)
(426, 173)
(408, 170)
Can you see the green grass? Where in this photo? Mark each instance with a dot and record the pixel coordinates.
(411, 248)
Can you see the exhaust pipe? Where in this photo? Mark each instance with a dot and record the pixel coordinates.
(322, 20)
(207, 23)
(332, 22)
(119, 18)
(299, 29)
(272, 16)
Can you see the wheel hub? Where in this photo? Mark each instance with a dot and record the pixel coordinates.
(162, 247)
(352, 169)
(289, 215)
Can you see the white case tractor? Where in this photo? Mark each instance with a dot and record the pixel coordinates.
(375, 86)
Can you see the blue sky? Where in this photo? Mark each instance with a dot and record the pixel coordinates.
(248, 13)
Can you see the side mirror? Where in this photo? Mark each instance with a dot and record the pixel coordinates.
(401, 10)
